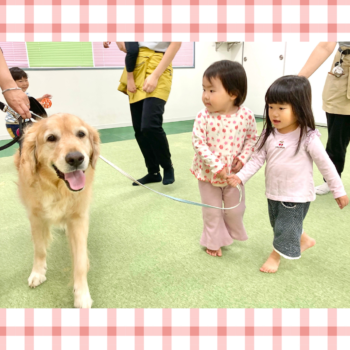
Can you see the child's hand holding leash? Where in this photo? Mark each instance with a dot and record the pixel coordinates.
(342, 201)
(234, 180)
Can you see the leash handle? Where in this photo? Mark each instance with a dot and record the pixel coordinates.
(170, 197)
(8, 109)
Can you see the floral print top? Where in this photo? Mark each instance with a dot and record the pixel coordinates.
(218, 139)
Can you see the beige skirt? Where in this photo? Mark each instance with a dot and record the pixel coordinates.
(336, 91)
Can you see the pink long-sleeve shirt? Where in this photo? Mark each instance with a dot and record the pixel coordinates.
(219, 139)
(289, 176)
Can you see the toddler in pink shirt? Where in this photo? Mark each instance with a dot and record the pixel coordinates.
(289, 145)
(224, 135)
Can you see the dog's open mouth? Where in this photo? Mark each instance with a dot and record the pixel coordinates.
(74, 180)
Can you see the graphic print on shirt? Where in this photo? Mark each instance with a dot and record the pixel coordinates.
(280, 144)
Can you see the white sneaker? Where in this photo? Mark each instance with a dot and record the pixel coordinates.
(322, 189)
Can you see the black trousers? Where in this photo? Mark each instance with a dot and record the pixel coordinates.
(132, 51)
(338, 139)
(147, 120)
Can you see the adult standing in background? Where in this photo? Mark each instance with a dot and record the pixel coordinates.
(13, 95)
(336, 100)
(153, 77)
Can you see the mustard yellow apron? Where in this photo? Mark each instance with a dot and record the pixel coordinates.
(147, 62)
(336, 91)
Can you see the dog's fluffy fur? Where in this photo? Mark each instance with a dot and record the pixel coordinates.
(56, 169)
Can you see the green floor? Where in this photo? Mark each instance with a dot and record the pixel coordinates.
(145, 252)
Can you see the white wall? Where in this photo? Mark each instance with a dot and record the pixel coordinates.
(93, 94)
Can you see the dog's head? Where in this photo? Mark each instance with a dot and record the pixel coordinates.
(62, 145)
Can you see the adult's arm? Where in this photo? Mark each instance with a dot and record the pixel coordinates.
(120, 44)
(167, 58)
(318, 56)
(151, 82)
(16, 99)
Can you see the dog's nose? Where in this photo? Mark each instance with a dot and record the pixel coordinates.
(74, 158)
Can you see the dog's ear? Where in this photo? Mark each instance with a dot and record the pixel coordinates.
(28, 158)
(95, 145)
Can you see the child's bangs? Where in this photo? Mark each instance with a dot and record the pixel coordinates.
(279, 93)
(211, 74)
(218, 70)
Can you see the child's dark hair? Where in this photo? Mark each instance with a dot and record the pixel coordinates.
(293, 90)
(232, 76)
(18, 73)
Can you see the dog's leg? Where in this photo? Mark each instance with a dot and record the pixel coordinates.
(41, 236)
(77, 230)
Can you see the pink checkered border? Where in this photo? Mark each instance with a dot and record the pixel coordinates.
(170, 20)
(217, 328)
(309, 328)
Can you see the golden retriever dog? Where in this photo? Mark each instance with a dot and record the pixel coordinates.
(56, 169)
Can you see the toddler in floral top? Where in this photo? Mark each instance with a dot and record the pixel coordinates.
(224, 136)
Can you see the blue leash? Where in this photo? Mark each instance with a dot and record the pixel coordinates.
(170, 197)
(5, 108)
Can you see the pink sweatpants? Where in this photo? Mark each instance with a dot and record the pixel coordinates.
(221, 227)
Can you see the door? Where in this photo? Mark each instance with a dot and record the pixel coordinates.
(263, 63)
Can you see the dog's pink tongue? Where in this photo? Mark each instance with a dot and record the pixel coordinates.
(76, 179)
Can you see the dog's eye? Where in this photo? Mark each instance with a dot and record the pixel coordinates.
(81, 134)
(52, 138)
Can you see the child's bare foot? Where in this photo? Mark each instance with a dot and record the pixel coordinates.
(272, 263)
(214, 252)
(131, 86)
(306, 242)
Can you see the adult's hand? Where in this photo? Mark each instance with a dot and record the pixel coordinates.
(121, 46)
(19, 102)
(150, 83)
(16, 99)
(106, 44)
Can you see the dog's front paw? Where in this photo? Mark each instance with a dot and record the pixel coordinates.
(82, 300)
(36, 279)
